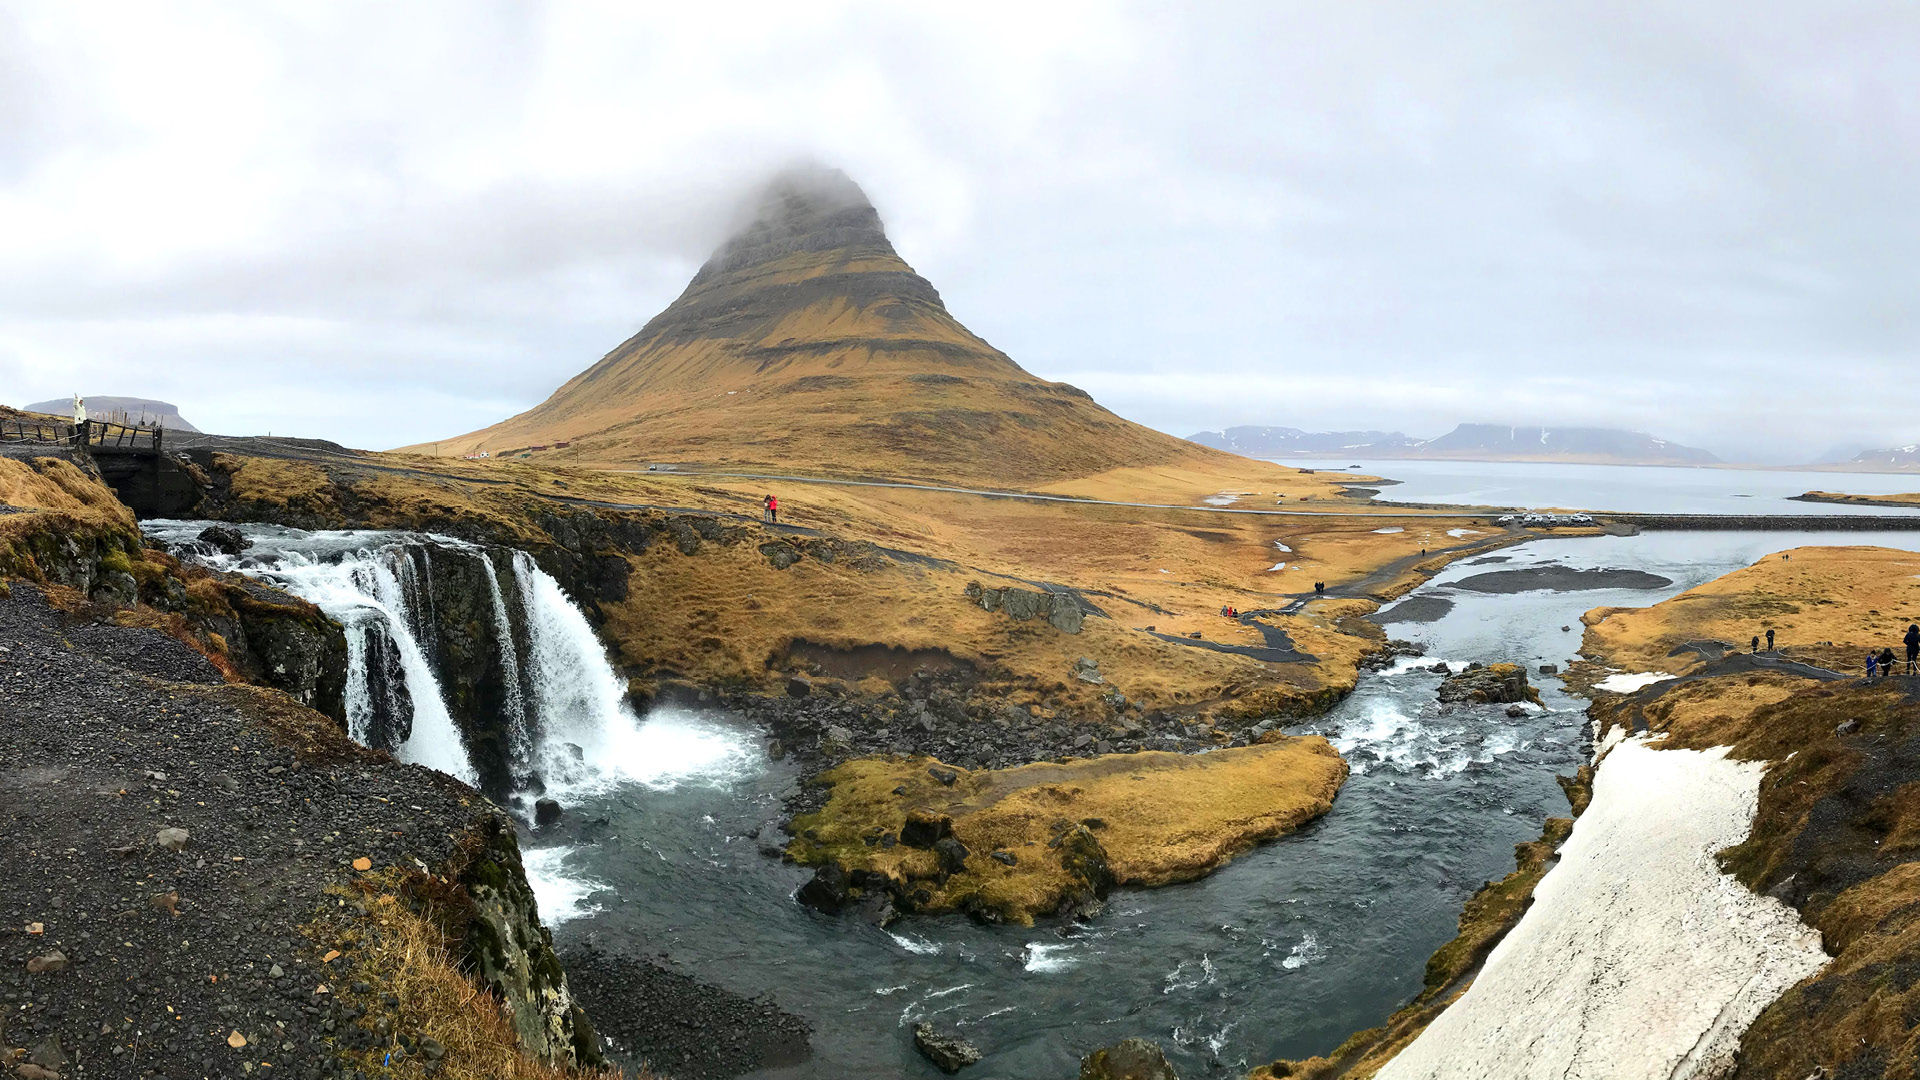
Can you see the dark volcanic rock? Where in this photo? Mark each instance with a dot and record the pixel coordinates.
(1133, 1059)
(1496, 684)
(948, 1051)
(224, 539)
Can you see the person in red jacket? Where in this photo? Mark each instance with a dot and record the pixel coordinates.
(773, 508)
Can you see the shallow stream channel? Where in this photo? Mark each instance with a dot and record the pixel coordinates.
(1282, 953)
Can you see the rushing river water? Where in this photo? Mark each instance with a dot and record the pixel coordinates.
(1283, 953)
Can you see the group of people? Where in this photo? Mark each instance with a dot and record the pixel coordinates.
(1880, 664)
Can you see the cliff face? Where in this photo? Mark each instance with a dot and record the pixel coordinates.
(807, 344)
(386, 914)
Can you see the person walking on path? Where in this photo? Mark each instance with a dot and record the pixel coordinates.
(1756, 644)
(773, 509)
(1873, 664)
(1913, 648)
(1769, 639)
(1886, 662)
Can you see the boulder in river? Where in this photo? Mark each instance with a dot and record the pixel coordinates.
(224, 539)
(546, 812)
(1133, 1059)
(949, 1052)
(1492, 684)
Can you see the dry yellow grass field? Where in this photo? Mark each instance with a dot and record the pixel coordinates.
(1151, 818)
(1855, 598)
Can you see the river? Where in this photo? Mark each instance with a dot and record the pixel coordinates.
(1283, 953)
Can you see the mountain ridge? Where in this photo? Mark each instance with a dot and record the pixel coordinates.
(1466, 442)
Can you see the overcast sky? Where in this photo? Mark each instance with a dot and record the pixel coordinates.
(387, 222)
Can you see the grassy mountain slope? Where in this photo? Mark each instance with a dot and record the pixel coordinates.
(806, 344)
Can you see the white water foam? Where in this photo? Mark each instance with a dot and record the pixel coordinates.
(1306, 952)
(915, 946)
(561, 894)
(1044, 959)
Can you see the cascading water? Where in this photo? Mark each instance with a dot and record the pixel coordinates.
(560, 711)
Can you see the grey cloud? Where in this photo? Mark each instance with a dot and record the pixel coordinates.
(1693, 219)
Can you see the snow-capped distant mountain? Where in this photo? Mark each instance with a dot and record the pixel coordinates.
(1472, 442)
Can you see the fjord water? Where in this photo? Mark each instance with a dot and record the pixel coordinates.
(1644, 489)
(1283, 953)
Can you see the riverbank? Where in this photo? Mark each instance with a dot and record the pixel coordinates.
(1740, 816)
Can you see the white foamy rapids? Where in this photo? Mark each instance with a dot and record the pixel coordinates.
(916, 946)
(1189, 975)
(561, 894)
(1043, 959)
(1442, 746)
(1306, 952)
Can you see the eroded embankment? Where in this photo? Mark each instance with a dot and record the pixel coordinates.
(209, 875)
(1767, 797)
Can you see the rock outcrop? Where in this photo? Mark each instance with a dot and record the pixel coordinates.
(1063, 610)
(1132, 1059)
(1491, 684)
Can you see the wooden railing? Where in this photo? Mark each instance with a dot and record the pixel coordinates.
(95, 435)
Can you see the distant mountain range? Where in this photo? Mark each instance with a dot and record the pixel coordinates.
(1468, 442)
(133, 410)
(1892, 459)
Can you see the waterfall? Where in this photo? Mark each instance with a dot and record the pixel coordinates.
(560, 723)
(514, 705)
(579, 703)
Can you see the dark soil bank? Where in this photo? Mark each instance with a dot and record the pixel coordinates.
(650, 1015)
(131, 951)
(1560, 579)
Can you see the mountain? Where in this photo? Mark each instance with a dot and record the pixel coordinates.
(1609, 445)
(1473, 442)
(807, 344)
(1270, 442)
(132, 410)
(1892, 459)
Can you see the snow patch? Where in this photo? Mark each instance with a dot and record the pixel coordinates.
(1638, 958)
(1627, 684)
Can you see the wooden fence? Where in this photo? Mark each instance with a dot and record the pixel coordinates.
(95, 435)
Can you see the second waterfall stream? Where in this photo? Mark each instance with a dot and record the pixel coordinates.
(471, 660)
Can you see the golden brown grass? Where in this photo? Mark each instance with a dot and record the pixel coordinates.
(50, 483)
(1854, 597)
(726, 616)
(1897, 499)
(398, 951)
(1160, 818)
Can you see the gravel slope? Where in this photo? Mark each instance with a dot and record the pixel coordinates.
(121, 957)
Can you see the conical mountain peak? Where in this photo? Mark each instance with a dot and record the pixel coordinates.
(807, 343)
(808, 209)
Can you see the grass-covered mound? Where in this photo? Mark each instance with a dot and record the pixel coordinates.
(1034, 838)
